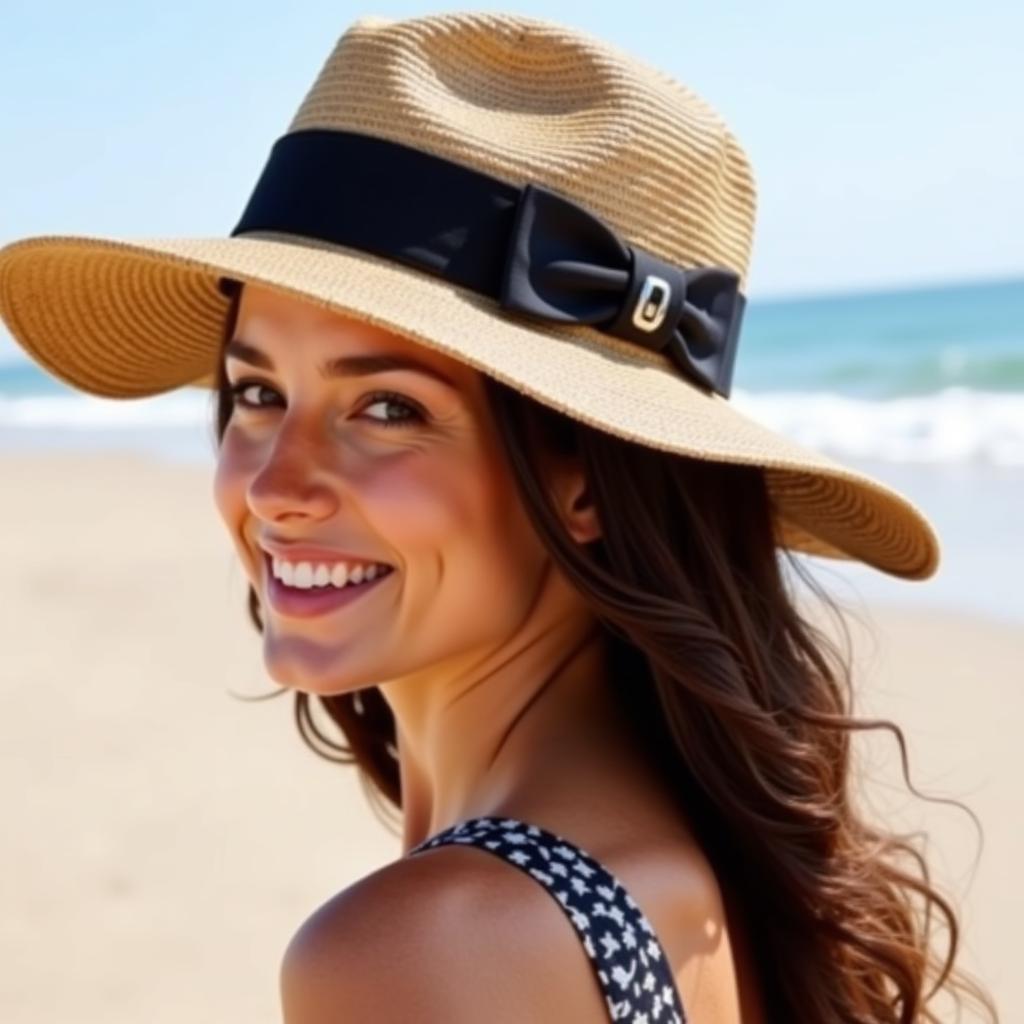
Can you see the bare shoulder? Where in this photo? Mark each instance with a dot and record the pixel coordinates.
(451, 934)
(455, 934)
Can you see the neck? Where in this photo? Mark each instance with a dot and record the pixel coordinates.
(471, 737)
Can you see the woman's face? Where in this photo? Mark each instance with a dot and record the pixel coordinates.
(413, 478)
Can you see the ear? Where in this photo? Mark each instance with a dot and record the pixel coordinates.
(567, 485)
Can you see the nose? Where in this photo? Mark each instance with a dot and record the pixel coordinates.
(297, 477)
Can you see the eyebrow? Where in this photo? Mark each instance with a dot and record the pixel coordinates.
(341, 366)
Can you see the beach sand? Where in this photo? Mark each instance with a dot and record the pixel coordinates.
(164, 839)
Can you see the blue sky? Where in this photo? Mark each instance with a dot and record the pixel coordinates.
(886, 138)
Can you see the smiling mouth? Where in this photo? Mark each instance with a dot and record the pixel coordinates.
(307, 602)
(379, 571)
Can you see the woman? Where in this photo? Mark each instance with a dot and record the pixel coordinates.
(471, 345)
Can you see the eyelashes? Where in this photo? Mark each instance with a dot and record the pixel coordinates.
(415, 413)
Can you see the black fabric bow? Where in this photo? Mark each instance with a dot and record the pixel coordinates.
(564, 264)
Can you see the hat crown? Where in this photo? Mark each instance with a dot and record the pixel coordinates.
(527, 100)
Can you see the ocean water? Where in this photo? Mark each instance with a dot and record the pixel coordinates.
(917, 376)
(923, 388)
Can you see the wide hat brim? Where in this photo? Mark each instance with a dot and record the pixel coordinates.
(136, 318)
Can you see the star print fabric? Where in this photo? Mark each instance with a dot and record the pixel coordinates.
(628, 960)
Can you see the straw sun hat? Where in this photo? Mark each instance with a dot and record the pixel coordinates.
(514, 193)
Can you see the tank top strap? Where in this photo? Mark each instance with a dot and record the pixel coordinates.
(631, 967)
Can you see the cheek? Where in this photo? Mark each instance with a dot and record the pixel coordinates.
(459, 508)
(236, 465)
(463, 518)
(417, 503)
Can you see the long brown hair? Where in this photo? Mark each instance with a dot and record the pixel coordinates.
(746, 704)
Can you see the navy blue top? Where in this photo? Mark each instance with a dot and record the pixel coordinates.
(628, 960)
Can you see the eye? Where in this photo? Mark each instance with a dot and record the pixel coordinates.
(413, 413)
(390, 398)
(238, 389)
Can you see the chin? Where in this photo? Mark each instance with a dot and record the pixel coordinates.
(294, 676)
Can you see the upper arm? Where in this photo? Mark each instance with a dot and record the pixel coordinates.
(415, 941)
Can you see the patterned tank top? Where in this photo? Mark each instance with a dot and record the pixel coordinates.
(626, 956)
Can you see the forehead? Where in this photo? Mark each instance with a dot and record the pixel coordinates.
(270, 316)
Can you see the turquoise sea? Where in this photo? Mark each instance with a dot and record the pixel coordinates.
(930, 375)
(922, 387)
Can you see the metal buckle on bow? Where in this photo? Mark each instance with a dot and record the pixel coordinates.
(652, 303)
(564, 264)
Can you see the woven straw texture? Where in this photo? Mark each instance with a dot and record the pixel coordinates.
(524, 100)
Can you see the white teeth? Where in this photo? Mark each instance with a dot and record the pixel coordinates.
(306, 576)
